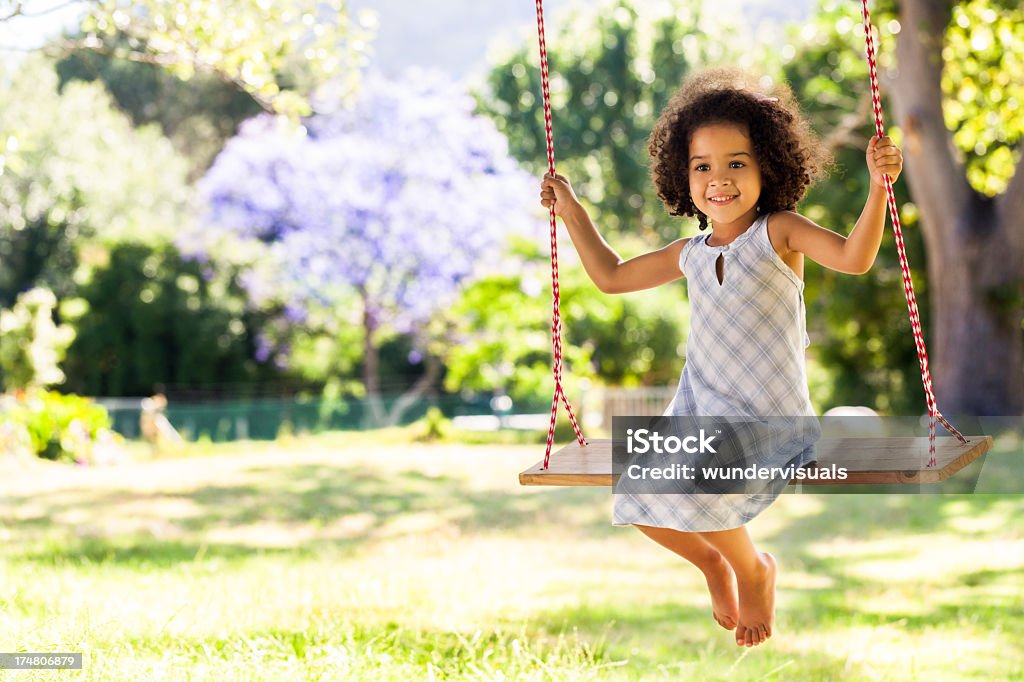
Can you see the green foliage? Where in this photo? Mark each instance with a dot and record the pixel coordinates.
(858, 325)
(31, 344)
(501, 336)
(76, 172)
(328, 345)
(198, 115)
(150, 317)
(613, 69)
(501, 339)
(983, 81)
(248, 42)
(60, 427)
(432, 427)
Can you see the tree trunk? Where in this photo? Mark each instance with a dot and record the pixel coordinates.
(432, 370)
(378, 414)
(976, 334)
(371, 367)
(974, 244)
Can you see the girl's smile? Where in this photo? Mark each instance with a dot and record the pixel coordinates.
(725, 177)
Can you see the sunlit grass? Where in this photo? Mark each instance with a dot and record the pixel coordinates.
(330, 558)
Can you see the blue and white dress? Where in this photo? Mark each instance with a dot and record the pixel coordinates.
(744, 358)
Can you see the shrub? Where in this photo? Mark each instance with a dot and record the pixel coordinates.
(31, 344)
(433, 426)
(60, 427)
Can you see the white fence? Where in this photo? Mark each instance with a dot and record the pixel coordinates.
(610, 402)
(594, 406)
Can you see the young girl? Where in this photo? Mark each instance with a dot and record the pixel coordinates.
(740, 159)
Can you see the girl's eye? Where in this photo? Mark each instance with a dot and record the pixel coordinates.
(736, 164)
(702, 167)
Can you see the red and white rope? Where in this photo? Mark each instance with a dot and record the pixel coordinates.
(908, 285)
(556, 317)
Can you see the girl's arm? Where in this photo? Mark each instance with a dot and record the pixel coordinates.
(856, 253)
(609, 272)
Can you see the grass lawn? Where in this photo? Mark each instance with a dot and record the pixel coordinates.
(336, 557)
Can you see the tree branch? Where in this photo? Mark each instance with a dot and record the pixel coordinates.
(16, 11)
(842, 135)
(51, 9)
(66, 46)
(937, 179)
(432, 367)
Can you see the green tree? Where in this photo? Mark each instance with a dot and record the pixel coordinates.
(151, 317)
(957, 86)
(63, 205)
(858, 325)
(952, 75)
(613, 69)
(248, 42)
(198, 115)
(79, 176)
(80, 198)
(496, 341)
(864, 339)
(279, 53)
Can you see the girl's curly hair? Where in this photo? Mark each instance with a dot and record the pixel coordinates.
(790, 155)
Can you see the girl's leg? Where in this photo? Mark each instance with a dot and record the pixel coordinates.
(720, 578)
(755, 578)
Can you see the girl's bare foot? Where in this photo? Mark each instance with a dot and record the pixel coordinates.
(722, 586)
(757, 602)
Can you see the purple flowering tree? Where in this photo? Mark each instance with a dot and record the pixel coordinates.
(400, 198)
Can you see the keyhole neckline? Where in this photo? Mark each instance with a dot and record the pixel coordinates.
(741, 238)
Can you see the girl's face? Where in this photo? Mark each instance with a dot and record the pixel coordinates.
(725, 176)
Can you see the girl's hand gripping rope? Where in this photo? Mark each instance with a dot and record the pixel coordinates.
(884, 158)
(556, 190)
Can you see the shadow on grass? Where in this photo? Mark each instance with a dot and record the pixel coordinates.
(140, 551)
(312, 502)
(310, 508)
(307, 508)
(983, 601)
(860, 517)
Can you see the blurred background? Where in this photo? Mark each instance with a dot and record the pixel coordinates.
(250, 219)
(282, 262)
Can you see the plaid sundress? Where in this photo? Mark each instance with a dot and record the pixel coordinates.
(744, 358)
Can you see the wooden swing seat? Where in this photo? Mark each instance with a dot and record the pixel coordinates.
(867, 460)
